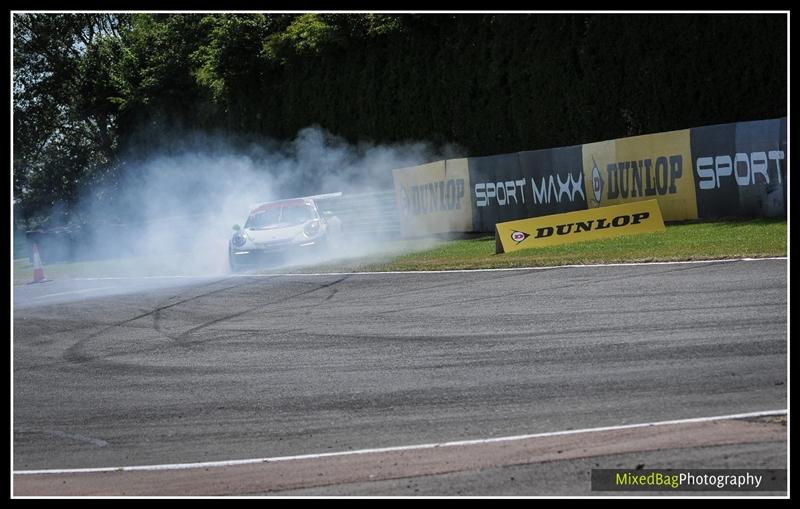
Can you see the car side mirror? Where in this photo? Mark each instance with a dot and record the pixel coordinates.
(237, 227)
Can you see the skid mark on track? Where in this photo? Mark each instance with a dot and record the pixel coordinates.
(76, 353)
(181, 339)
(557, 286)
(393, 294)
(492, 275)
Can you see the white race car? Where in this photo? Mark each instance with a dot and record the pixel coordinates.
(282, 232)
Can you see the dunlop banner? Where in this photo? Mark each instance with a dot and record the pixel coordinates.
(592, 224)
(433, 198)
(740, 169)
(655, 166)
(526, 184)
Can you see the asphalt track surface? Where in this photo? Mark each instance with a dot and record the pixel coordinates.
(262, 367)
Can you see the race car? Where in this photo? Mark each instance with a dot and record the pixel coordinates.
(284, 231)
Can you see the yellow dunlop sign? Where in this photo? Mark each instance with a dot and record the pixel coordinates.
(434, 198)
(592, 224)
(652, 166)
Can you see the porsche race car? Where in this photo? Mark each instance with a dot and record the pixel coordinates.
(284, 231)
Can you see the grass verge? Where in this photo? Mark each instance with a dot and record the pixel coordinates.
(688, 241)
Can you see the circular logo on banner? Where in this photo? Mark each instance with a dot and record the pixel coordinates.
(597, 183)
(518, 236)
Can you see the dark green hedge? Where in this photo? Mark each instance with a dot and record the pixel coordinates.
(504, 83)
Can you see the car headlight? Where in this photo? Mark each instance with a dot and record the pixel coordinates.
(238, 240)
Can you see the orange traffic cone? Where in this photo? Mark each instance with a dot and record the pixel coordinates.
(38, 270)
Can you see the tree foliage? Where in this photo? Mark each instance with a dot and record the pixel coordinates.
(64, 115)
(88, 87)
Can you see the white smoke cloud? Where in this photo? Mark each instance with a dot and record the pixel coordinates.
(172, 212)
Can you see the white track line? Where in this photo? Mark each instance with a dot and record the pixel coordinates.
(71, 292)
(455, 271)
(209, 464)
(115, 278)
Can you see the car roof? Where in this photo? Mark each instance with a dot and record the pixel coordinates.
(293, 202)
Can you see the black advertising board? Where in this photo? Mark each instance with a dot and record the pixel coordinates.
(498, 190)
(740, 169)
(567, 166)
(526, 184)
(760, 168)
(713, 148)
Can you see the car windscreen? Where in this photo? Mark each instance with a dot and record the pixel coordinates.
(276, 217)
